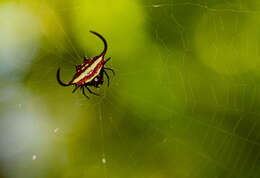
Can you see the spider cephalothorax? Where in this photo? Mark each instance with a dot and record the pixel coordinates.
(90, 72)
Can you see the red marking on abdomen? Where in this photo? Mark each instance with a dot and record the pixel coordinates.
(92, 73)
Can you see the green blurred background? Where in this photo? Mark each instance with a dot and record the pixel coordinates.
(184, 101)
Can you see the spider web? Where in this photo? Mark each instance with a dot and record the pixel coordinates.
(183, 103)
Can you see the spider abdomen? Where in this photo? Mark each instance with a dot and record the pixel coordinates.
(88, 76)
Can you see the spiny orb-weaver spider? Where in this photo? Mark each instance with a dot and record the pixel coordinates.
(90, 72)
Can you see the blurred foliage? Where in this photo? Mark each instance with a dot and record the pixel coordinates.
(184, 101)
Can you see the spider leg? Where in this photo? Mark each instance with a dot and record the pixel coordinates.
(83, 91)
(110, 70)
(108, 59)
(107, 78)
(77, 86)
(92, 91)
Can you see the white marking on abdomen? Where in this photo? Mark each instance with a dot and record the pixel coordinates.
(89, 69)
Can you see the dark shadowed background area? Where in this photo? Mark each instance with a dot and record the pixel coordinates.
(184, 101)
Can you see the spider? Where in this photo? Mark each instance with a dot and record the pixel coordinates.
(90, 72)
